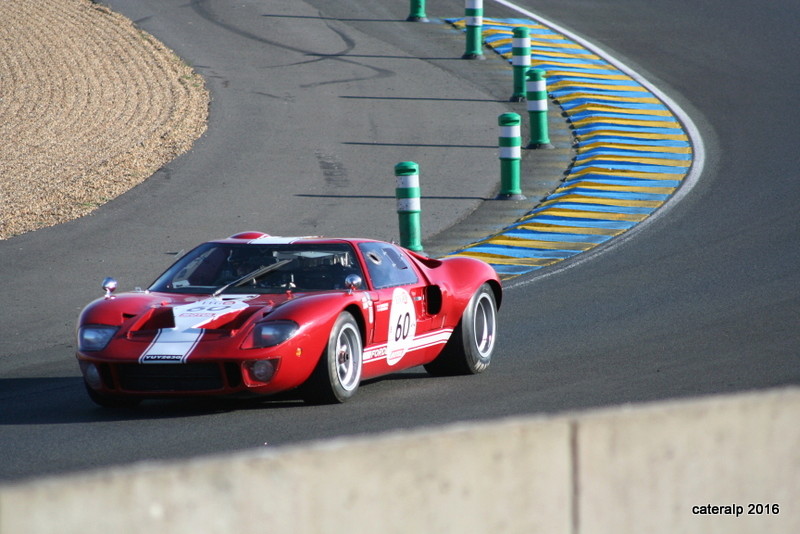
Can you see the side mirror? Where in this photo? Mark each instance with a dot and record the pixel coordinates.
(352, 282)
(110, 285)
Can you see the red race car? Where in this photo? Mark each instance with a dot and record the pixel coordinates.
(256, 315)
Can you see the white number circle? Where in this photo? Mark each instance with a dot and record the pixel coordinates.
(402, 326)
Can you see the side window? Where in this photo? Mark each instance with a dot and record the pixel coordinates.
(387, 266)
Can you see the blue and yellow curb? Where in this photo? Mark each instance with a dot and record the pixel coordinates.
(632, 155)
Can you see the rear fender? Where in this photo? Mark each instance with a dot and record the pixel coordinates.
(460, 277)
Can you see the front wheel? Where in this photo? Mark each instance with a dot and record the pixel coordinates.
(470, 347)
(338, 373)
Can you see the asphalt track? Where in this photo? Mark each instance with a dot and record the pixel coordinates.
(704, 299)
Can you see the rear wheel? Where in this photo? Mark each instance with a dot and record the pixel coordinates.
(338, 373)
(470, 348)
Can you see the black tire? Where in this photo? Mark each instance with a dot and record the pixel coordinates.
(109, 401)
(470, 347)
(338, 373)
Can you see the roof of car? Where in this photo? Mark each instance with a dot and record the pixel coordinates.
(260, 238)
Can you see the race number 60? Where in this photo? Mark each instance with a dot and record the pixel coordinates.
(402, 325)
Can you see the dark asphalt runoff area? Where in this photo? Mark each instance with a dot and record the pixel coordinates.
(313, 104)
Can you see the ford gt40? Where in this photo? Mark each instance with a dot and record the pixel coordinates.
(256, 314)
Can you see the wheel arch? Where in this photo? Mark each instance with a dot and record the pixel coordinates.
(358, 314)
(497, 289)
(464, 276)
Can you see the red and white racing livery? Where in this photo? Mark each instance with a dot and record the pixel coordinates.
(255, 314)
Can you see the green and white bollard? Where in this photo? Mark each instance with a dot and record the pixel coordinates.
(473, 12)
(510, 156)
(520, 61)
(407, 192)
(417, 11)
(537, 109)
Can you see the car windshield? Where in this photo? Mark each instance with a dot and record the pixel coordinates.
(304, 267)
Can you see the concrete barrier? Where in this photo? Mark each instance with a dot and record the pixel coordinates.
(661, 468)
(653, 469)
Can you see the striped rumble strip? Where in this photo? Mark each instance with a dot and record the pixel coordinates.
(632, 154)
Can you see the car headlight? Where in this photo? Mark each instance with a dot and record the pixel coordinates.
(95, 337)
(273, 333)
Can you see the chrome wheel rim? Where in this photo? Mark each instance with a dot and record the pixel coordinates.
(484, 325)
(348, 357)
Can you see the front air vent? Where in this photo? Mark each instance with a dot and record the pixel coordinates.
(170, 377)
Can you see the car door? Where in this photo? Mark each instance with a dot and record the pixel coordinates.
(397, 295)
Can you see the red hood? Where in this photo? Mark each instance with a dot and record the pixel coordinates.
(152, 311)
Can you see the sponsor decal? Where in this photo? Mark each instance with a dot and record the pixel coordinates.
(366, 304)
(377, 353)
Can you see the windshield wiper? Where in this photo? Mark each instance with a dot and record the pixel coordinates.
(258, 273)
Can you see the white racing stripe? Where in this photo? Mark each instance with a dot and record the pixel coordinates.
(279, 240)
(437, 337)
(174, 345)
